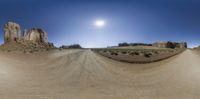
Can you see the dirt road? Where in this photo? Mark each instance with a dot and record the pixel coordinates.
(82, 74)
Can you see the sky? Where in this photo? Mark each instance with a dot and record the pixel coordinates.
(72, 21)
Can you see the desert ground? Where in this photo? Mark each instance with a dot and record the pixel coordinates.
(139, 55)
(84, 74)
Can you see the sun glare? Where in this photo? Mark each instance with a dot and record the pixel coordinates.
(99, 23)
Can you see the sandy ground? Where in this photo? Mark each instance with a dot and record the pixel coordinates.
(82, 74)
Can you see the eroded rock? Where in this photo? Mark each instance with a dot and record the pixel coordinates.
(12, 32)
(36, 35)
(34, 39)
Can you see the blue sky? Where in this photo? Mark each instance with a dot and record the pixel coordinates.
(72, 21)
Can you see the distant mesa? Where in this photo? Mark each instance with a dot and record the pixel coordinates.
(74, 46)
(170, 44)
(133, 44)
(33, 38)
(167, 44)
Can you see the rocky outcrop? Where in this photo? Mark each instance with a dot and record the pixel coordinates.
(36, 35)
(133, 44)
(12, 32)
(170, 44)
(167, 44)
(32, 39)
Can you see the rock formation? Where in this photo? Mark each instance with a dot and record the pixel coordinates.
(183, 45)
(36, 35)
(34, 38)
(133, 44)
(12, 32)
(167, 44)
(77, 46)
(170, 44)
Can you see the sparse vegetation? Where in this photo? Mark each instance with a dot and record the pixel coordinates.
(27, 47)
(124, 52)
(113, 53)
(138, 55)
(147, 55)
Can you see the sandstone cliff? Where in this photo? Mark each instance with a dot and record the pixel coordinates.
(12, 32)
(36, 35)
(31, 40)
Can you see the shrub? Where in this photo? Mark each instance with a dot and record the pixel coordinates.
(114, 53)
(124, 52)
(156, 52)
(136, 53)
(31, 51)
(8, 50)
(147, 55)
(131, 53)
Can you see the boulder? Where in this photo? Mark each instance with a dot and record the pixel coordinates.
(12, 32)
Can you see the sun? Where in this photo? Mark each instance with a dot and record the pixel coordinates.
(99, 23)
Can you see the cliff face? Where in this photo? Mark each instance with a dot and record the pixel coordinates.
(35, 38)
(36, 35)
(12, 32)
